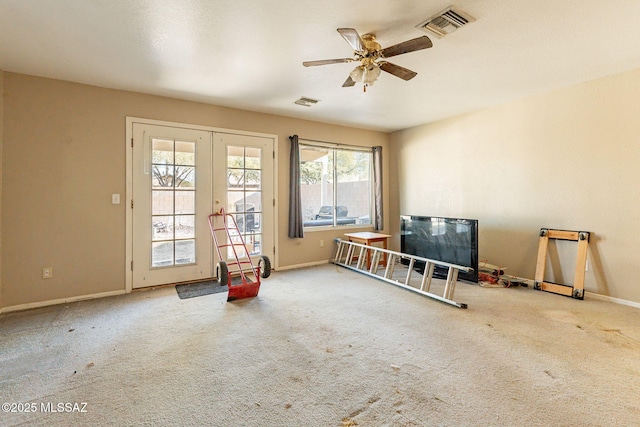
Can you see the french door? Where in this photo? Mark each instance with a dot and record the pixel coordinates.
(179, 177)
(171, 199)
(243, 187)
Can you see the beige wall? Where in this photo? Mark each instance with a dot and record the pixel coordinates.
(566, 159)
(64, 155)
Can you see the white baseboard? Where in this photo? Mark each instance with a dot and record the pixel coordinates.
(612, 299)
(308, 264)
(593, 295)
(31, 305)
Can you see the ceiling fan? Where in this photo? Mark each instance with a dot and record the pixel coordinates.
(372, 57)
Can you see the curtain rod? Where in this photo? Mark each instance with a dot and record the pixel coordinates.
(335, 144)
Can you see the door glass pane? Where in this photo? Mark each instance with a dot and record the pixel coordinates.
(239, 250)
(161, 202)
(235, 157)
(252, 158)
(162, 176)
(253, 244)
(173, 202)
(185, 251)
(185, 153)
(254, 222)
(162, 228)
(185, 177)
(240, 220)
(235, 178)
(161, 254)
(185, 226)
(235, 200)
(244, 195)
(252, 180)
(162, 151)
(185, 202)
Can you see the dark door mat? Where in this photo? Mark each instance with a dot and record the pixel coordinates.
(207, 287)
(198, 289)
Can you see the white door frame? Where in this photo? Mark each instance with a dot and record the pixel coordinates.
(129, 183)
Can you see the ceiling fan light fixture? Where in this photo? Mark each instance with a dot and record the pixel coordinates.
(357, 74)
(371, 74)
(366, 75)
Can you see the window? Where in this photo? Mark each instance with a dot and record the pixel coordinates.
(173, 195)
(244, 197)
(335, 185)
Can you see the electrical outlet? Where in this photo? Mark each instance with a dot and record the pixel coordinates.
(322, 243)
(47, 272)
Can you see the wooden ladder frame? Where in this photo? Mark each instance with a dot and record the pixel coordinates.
(577, 290)
(354, 256)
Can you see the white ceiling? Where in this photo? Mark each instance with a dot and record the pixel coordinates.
(248, 54)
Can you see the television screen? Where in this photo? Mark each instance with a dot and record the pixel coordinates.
(452, 240)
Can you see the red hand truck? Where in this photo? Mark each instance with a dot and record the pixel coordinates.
(225, 229)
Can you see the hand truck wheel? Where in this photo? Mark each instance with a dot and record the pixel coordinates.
(265, 266)
(222, 272)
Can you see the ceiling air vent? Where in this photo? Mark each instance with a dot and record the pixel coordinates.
(446, 22)
(306, 102)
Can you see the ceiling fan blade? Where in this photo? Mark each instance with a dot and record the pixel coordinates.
(326, 61)
(349, 82)
(398, 71)
(353, 38)
(409, 46)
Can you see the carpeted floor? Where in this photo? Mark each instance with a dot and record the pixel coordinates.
(324, 346)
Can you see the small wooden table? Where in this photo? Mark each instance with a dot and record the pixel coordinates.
(367, 238)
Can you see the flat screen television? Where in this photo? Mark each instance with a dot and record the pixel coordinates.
(452, 240)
